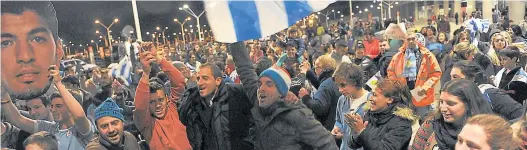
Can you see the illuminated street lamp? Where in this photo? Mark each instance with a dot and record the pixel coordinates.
(189, 11)
(108, 42)
(182, 24)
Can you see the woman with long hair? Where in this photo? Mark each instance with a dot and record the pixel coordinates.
(502, 104)
(498, 41)
(485, 131)
(460, 99)
(388, 122)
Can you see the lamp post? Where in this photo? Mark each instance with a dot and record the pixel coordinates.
(181, 24)
(189, 11)
(109, 35)
(163, 34)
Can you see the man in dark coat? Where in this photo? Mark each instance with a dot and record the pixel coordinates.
(279, 124)
(217, 115)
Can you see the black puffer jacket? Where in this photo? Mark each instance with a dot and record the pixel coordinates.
(388, 129)
(231, 123)
(281, 126)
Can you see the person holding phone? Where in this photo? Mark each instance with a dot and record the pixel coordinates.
(388, 122)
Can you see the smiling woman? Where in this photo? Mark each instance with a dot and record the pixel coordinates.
(459, 100)
(29, 29)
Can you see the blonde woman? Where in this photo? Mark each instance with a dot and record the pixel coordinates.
(461, 51)
(498, 42)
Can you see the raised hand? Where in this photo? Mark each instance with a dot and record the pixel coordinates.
(54, 73)
(146, 59)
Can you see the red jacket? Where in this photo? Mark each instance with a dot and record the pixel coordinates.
(371, 49)
(167, 133)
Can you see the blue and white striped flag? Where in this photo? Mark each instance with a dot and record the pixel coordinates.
(123, 71)
(232, 21)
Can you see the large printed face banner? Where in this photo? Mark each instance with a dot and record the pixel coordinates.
(29, 46)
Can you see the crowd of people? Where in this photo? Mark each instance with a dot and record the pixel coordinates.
(306, 87)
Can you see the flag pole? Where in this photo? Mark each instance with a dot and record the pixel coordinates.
(136, 19)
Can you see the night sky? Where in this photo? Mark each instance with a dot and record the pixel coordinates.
(77, 18)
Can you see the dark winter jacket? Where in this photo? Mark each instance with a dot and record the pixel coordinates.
(129, 143)
(280, 126)
(513, 81)
(387, 129)
(229, 126)
(501, 103)
(324, 102)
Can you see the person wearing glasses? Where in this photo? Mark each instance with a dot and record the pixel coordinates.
(416, 66)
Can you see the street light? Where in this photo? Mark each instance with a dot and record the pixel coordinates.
(182, 24)
(108, 42)
(189, 11)
(163, 33)
(389, 5)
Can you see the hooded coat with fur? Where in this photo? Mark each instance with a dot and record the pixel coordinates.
(387, 129)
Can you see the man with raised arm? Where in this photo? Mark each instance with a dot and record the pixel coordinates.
(279, 124)
(71, 127)
(155, 113)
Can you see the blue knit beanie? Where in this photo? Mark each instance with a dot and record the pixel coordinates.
(108, 108)
(280, 78)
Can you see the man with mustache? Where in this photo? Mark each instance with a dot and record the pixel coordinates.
(279, 124)
(29, 29)
(110, 123)
(155, 113)
(416, 66)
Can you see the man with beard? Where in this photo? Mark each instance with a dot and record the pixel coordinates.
(279, 124)
(71, 127)
(155, 114)
(216, 114)
(110, 123)
(416, 66)
(29, 29)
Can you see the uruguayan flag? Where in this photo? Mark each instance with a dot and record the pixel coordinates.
(123, 70)
(233, 21)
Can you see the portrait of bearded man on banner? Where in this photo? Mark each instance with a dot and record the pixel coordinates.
(30, 44)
